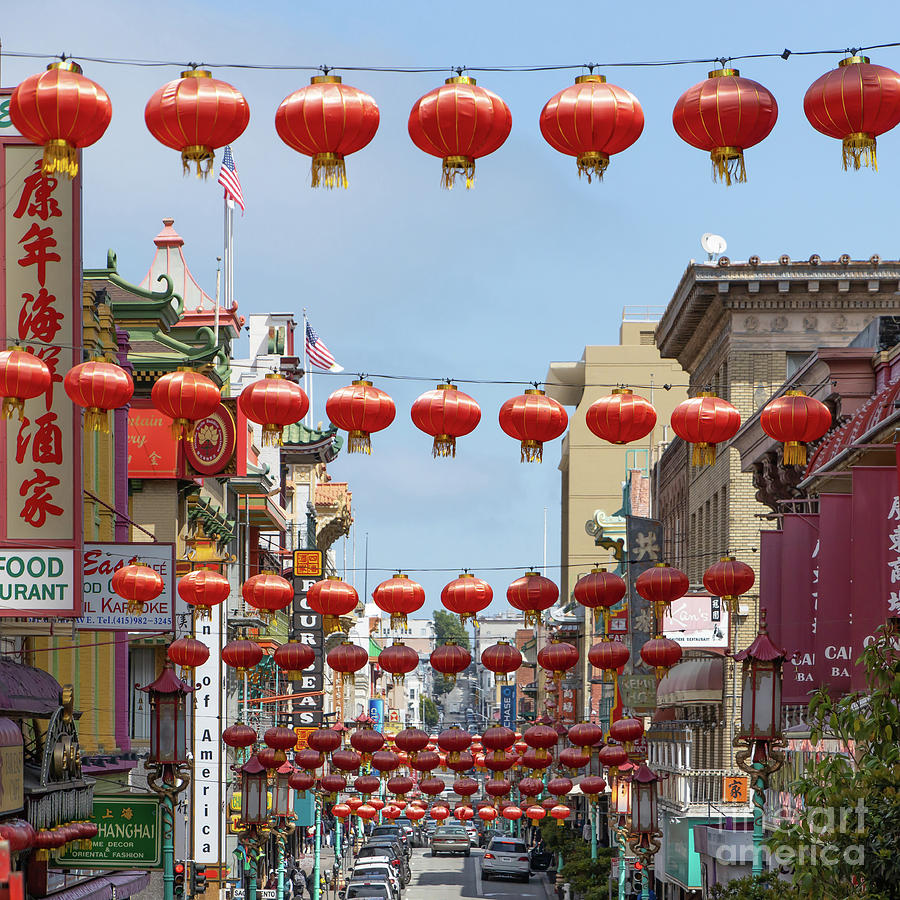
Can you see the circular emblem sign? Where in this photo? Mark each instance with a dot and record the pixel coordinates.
(213, 445)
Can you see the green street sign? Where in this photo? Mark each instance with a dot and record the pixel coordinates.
(130, 835)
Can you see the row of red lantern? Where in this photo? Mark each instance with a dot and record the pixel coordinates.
(459, 122)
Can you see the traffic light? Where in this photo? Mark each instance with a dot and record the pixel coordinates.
(198, 879)
(179, 879)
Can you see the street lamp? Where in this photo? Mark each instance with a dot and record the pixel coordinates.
(168, 767)
(760, 741)
(254, 793)
(282, 810)
(645, 833)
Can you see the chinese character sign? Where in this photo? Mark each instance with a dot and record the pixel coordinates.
(41, 298)
(308, 564)
(644, 543)
(735, 788)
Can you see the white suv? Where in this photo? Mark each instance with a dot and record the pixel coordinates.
(506, 856)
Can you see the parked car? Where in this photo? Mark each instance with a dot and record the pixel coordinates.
(382, 854)
(413, 832)
(451, 839)
(391, 848)
(378, 890)
(506, 856)
(472, 831)
(370, 868)
(392, 830)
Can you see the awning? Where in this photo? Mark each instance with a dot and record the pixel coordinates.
(120, 886)
(692, 681)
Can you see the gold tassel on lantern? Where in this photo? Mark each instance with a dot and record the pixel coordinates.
(135, 608)
(398, 622)
(328, 171)
(593, 164)
(454, 166)
(13, 405)
(532, 451)
(96, 419)
(183, 429)
(704, 454)
(62, 158)
(359, 442)
(728, 165)
(271, 435)
(794, 453)
(202, 157)
(859, 151)
(444, 446)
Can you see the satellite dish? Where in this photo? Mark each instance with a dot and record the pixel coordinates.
(713, 244)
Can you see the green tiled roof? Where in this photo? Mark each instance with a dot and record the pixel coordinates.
(299, 434)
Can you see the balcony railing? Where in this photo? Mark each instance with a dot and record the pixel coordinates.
(705, 788)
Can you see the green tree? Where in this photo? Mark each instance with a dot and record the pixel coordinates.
(447, 629)
(428, 712)
(588, 877)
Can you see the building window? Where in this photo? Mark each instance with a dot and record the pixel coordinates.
(142, 662)
(647, 338)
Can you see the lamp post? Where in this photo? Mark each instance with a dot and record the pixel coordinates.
(645, 833)
(760, 741)
(282, 810)
(619, 807)
(254, 815)
(168, 768)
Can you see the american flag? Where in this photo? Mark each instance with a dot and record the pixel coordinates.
(228, 178)
(317, 353)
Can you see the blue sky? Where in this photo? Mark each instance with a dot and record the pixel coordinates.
(402, 277)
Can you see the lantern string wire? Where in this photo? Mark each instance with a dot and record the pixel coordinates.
(417, 70)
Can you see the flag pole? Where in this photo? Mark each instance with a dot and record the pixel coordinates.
(307, 380)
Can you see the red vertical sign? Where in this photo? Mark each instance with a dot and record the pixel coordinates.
(771, 543)
(833, 644)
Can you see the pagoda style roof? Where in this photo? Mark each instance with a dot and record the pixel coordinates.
(301, 444)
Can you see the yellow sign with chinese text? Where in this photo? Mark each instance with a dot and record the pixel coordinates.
(308, 564)
(735, 788)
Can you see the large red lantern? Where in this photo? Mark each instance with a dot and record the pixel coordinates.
(585, 734)
(621, 418)
(273, 402)
(613, 756)
(454, 741)
(535, 813)
(267, 593)
(399, 660)
(301, 781)
(530, 787)
(795, 420)
(439, 813)
(498, 738)
(609, 656)
(487, 814)
(704, 421)
(367, 811)
(627, 731)
(459, 122)
(203, 589)
(242, 655)
(332, 784)
(197, 114)
(327, 120)
(347, 659)
(400, 596)
(426, 761)
(341, 811)
(188, 653)
(725, 115)
(532, 594)
(533, 418)
(186, 397)
(729, 579)
(501, 659)
(360, 409)
(137, 585)
(512, 813)
(98, 387)
(446, 414)
(592, 120)
(591, 786)
(450, 659)
(560, 812)
(332, 598)
(346, 760)
(324, 740)
(855, 103)
(558, 657)
(280, 738)
(432, 786)
(411, 740)
(660, 585)
(497, 787)
(400, 785)
(62, 111)
(574, 758)
(293, 658)
(461, 763)
(309, 760)
(367, 741)
(661, 653)
(599, 589)
(559, 786)
(239, 735)
(22, 377)
(467, 596)
(540, 738)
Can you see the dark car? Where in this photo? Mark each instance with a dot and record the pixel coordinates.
(392, 831)
(387, 847)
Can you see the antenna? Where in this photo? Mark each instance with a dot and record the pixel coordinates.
(714, 245)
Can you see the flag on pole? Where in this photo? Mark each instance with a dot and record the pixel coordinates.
(228, 178)
(317, 353)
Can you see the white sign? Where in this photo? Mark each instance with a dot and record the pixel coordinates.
(268, 894)
(104, 610)
(697, 620)
(37, 582)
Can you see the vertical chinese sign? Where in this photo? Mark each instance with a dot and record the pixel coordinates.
(644, 549)
(40, 474)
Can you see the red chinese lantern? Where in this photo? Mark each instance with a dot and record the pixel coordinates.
(540, 738)
(332, 598)
(61, 111)
(414, 814)
(399, 660)
(439, 813)
(347, 659)
(241, 655)
(533, 418)
(558, 657)
(391, 812)
(432, 786)
(459, 122)
(411, 741)
(367, 741)
(323, 740)
(446, 414)
(533, 594)
(613, 756)
(450, 659)
(487, 814)
(137, 585)
(341, 811)
(574, 758)
(98, 387)
(461, 762)
(627, 731)
(309, 760)
(497, 787)
(585, 734)
(367, 811)
(239, 735)
(346, 760)
(400, 596)
(795, 420)
(591, 786)
(203, 589)
(385, 761)
(269, 758)
(273, 402)
(467, 596)
(530, 787)
(464, 813)
(301, 782)
(186, 397)
(592, 120)
(501, 762)
(599, 589)
(454, 741)
(535, 813)
(501, 659)
(498, 738)
(661, 653)
(400, 785)
(188, 653)
(609, 655)
(354, 803)
(661, 584)
(855, 103)
(704, 421)
(513, 813)
(729, 579)
(560, 813)
(196, 115)
(280, 738)
(559, 786)
(360, 409)
(267, 593)
(725, 115)
(22, 377)
(327, 120)
(332, 784)
(293, 658)
(425, 761)
(621, 418)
